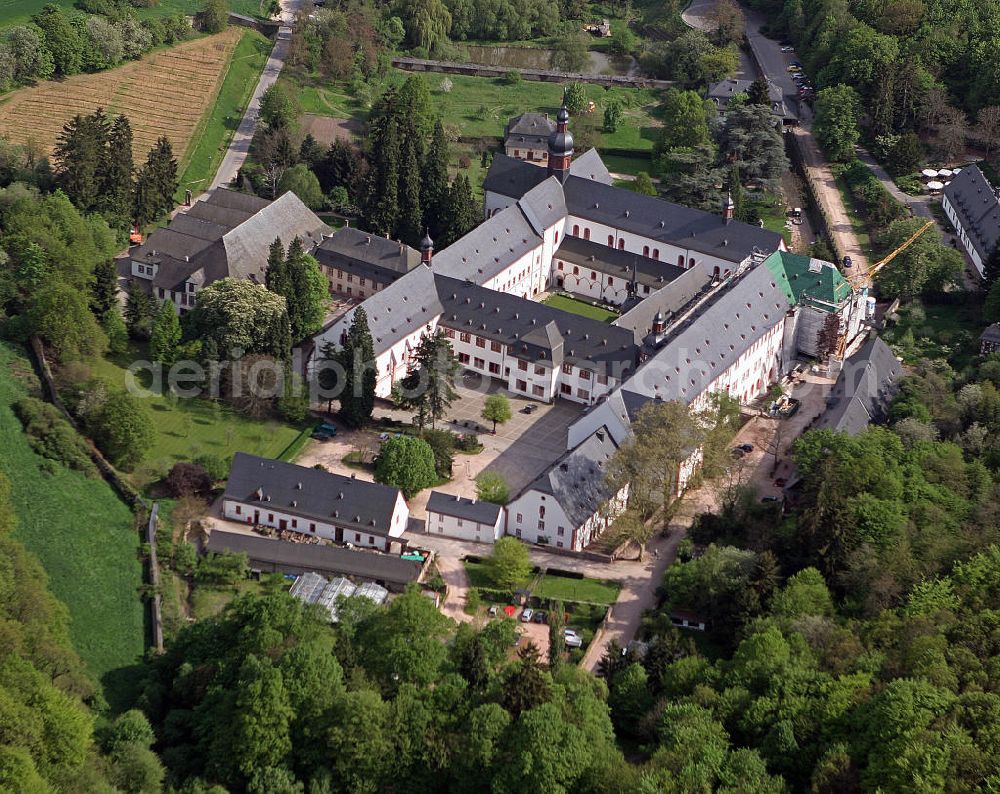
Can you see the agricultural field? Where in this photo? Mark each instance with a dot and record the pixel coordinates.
(216, 130)
(17, 12)
(84, 536)
(185, 428)
(165, 93)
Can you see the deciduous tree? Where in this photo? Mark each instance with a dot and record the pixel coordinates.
(407, 463)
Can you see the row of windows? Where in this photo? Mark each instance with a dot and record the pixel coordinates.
(646, 251)
(148, 270)
(295, 523)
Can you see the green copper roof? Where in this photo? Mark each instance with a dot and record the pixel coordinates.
(808, 280)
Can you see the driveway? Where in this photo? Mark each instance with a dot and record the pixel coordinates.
(239, 147)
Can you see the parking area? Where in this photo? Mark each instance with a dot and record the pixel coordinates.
(521, 449)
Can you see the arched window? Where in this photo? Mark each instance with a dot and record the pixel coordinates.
(680, 260)
(656, 253)
(645, 250)
(621, 244)
(690, 261)
(611, 241)
(576, 230)
(586, 234)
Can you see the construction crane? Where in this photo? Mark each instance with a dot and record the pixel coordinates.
(859, 279)
(862, 280)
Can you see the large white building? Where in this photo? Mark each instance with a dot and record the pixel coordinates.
(709, 305)
(972, 205)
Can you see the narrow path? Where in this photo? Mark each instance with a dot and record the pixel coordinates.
(239, 147)
(457, 580)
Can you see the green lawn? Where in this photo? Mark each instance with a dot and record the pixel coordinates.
(216, 129)
(582, 308)
(481, 106)
(773, 215)
(186, 428)
(622, 164)
(85, 538)
(16, 12)
(594, 591)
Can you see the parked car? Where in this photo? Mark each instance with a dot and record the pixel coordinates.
(326, 427)
(528, 409)
(770, 499)
(572, 639)
(540, 617)
(788, 49)
(748, 448)
(493, 611)
(738, 453)
(794, 68)
(526, 615)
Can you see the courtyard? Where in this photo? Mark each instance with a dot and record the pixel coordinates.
(521, 449)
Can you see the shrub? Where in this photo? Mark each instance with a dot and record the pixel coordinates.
(442, 444)
(513, 77)
(52, 437)
(492, 487)
(215, 466)
(469, 443)
(406, 463)
(222, 569)
(188, 479)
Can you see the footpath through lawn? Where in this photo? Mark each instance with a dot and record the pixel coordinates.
(83, 535)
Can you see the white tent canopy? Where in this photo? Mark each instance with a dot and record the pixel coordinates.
(930, 173)
(934, 185)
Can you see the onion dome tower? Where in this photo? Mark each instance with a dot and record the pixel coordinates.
(560, 147)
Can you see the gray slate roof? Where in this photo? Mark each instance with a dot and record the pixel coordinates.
(670, 299)
(534, 331)
(304, 557)
(403, 307)
(702, 345)
(543, 206)
(976, 205)
(657, 219)
(489, 248)
(863, 389)
(614, 262)
(576, 480)
(991, 333)
(227, 234)
(529, 130)
(722, 92)
(466, 509)
(367, 255)
(509, 176)
(311, 493)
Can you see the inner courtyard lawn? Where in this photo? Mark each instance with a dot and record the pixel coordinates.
(584, 309)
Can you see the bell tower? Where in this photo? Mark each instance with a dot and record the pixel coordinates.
(560, 147)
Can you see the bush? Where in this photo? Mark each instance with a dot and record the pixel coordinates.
(469, 443)
(222, 569)
(472, 602)
(442, 444)
(513, 77)
(406, 463)
(492, 487)
(215, 466)
(187, 479)
(52, 437)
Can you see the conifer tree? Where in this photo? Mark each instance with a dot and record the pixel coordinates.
(357, 400)
(435, 190)
(118, 175)
(430, 387)
(463, 211)
(409, 221)
(759, 92)
(157, 183)
(381, 196)
(105, 295)
(276, 277)
(166, 334)
(139, 311)
(114, 327)
(79, 157)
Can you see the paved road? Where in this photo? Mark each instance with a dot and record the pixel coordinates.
(239, 147)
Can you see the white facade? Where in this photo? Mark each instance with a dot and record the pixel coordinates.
(536, 517)
(464, 528)
(264, 514)
(970, 249)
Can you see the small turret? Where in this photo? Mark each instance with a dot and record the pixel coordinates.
(426, 248)
(560, 146)
(659, 324)
(729, 208)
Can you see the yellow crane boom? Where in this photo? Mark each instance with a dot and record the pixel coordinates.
(856, 281)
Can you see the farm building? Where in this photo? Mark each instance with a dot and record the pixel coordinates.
(227, 234)
(864, 389)
(527, 137)
(271, 555)
(723, 92)
(313, 502)
(468, 519)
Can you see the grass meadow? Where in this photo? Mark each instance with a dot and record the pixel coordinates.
(84, 536)
(185, 428)
(17, 12)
